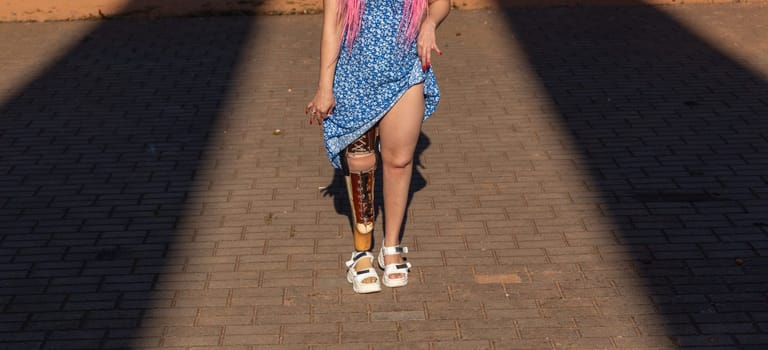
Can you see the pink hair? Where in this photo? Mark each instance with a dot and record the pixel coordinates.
(351, 13)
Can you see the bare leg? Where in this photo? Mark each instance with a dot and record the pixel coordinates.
(399, 132)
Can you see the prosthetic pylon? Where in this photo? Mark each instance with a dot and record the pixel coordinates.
(360, 188)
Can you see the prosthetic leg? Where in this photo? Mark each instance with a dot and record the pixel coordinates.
(361, 154)
(360, 188)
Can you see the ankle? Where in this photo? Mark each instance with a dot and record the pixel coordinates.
(390, 243)
(393, 259)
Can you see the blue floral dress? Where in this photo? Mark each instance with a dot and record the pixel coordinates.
(373, 76)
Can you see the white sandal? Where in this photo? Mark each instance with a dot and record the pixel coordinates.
(357, 278)
(394, 268)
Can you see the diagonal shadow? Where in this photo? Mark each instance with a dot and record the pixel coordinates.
(673, 132)
(98, 156)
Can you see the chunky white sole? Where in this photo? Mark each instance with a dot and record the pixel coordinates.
(361, 287)
(357, 277)
(395, 268)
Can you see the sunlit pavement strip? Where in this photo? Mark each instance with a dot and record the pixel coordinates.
(584, 185)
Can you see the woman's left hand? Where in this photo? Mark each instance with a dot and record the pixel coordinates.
(426, 43)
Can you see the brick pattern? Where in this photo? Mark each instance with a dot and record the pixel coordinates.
(592, 180)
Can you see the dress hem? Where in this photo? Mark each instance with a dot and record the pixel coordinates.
(336, 160)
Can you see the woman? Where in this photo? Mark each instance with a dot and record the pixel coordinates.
(376, 87)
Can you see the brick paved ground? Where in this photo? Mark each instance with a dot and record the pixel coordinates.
(594, 179)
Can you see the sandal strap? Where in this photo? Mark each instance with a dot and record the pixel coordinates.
(394, 250)
(364, 274)
(397, 268)
(356, 256)
(361, 272)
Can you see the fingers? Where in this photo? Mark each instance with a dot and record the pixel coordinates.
(317, 115)
(423, 57)
(426, 58)
(437, 49)
(311, 109)
(320, 118)
(324, 115)
(425, 54)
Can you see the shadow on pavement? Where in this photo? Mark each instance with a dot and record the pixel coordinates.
(99, 154)
(673, 132)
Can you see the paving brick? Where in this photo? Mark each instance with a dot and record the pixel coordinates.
(705, 341)
(646, 342)
(481, 345)
(442, 311)
(314, 338)
(583, 343)
(528, 344)
(369, 336)
(488, 333)
(361, 346)
(71, 344)
(192, 340)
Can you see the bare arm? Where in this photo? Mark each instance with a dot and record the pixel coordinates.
(438, 11)
(330, 43)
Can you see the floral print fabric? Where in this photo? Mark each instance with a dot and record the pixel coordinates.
(372, 76)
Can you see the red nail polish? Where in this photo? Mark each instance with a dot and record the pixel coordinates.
(424, 68)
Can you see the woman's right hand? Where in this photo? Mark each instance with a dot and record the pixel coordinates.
(320, 106)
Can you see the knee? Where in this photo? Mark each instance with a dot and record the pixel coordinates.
(398, 161)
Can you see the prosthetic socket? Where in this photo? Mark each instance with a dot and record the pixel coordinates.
(360, 188)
